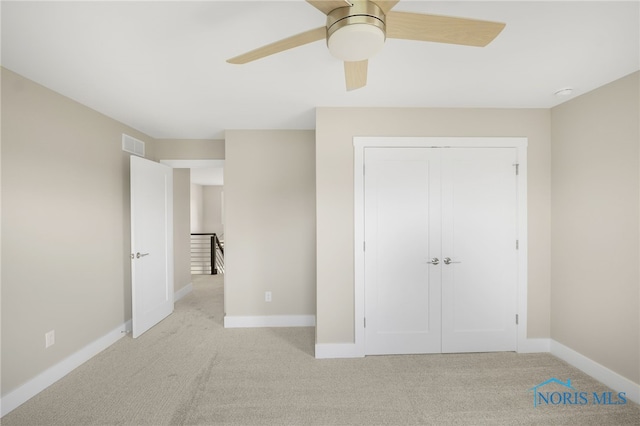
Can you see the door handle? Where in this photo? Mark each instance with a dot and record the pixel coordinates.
(434, 261)
(448, 261)
(139, 255)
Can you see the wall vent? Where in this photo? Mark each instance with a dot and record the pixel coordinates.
(132, 145)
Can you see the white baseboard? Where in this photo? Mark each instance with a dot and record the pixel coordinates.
(351, 350)
(530, 346)
(269, 321)
(183, 292)
(338, 350)
(19, 396)
(599, 372)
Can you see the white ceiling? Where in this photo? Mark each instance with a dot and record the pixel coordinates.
(160, 66)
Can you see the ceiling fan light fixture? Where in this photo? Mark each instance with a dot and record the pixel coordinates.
(357, 32)
(356, 42)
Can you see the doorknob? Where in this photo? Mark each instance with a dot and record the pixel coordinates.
(434, 261)
(139, 255)
(448, 261)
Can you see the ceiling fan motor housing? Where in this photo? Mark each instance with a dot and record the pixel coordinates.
(356, 33)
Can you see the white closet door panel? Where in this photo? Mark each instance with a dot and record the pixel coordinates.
(425, 203)
(402, 294)
(479, 212)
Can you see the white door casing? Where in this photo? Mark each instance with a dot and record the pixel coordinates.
(458, 327)
(151, 243)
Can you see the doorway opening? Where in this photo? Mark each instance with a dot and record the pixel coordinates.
(206, 220)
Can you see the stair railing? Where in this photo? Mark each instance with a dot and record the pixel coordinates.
(207, 254)
(217, 255)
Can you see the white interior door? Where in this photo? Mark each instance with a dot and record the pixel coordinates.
(423, 206)
(479, 228)
(402, 235)
(151, 243)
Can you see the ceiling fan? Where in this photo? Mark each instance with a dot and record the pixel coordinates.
(357, 29)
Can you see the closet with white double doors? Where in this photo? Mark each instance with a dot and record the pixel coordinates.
(440, 249)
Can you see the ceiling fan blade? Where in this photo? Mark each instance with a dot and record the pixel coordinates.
(386, 5)
(441, 29)
(281, 45)
(326, 6)
(355, 74)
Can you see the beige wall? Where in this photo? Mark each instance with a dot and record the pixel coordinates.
(181, 228)
(212, 209)
(270, 222)
(65, 227)
(335, 129)
(197, 208)
(595, 234)
(206, 209)
(189, 149)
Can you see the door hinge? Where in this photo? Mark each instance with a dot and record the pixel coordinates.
(365, 322)
(517, 169)
(517, 244)
(516, 319)
(364, 246)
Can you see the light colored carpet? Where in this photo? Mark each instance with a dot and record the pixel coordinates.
(190, 370)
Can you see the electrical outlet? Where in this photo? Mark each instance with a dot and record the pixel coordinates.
(49, 338)
(267, 296)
